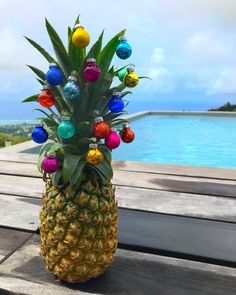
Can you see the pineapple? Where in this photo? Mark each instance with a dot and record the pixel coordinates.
(79, 214)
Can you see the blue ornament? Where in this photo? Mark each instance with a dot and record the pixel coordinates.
(123, 50)
(54, 75)
(71, 89)
(66, 128)
(116, 104)
(39, 134)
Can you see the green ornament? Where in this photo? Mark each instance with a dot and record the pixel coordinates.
(121, 74)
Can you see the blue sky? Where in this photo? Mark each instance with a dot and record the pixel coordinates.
(187, 48)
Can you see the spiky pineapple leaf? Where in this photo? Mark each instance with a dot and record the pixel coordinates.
(47, 56)
(78, 173)
(95, 50)
(59, 49)
(56, 177)
(31, 98)
(69, 166)
(37, 71)
(108, 52)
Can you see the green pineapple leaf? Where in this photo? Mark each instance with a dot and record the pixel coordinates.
(47, 56)
(59, 49)
(38, 72)
(31, 98)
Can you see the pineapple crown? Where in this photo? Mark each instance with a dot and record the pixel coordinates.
(92, 103)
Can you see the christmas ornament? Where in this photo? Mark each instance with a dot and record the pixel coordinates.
(66, 128)
(131, 78)
(39, 134)
(54, 75)
(91, 71)
(50, 164)
(122, 73)
(94, 156)
(100, 128)
(113, 140)
(71, 89)
(123, 50)
(46, 97)
(116, 104)
(126, 134)
(80, 37)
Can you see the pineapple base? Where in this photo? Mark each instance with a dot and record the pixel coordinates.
(78, 230)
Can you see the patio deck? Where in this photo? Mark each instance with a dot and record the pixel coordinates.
(177, 230)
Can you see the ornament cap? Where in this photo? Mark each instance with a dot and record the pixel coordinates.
(39, 125)
(65, 118)
(51, 156)
(77, 26)
(122, 38)
(116, 93)
(73, 78)
(98, 120)
(92, 60)
(126, 125)
(93, 145)
(130, 69)
(53, 64)
(46, 87)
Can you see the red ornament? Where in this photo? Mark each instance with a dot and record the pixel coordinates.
(127, 135)
(100, 128)
(46, 97)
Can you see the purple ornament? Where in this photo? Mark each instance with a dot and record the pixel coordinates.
(50, 164)
(91, 71)
(113, 140)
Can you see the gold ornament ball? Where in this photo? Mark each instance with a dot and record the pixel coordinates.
(80, 37)
(94, 156)
(131, 80)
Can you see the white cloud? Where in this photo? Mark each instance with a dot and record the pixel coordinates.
(225, 82)
(161, 80)
(205, 48)
(158, 55)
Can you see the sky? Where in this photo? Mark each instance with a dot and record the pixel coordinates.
(187, 47)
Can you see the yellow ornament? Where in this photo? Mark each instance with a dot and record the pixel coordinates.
(80, 37)
(131, 78)
(94, 156)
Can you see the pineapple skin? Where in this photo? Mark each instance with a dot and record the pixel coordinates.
(78, 230)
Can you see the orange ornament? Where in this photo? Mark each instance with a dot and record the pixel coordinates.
(46, 97)
(127, 135)
(100, 128)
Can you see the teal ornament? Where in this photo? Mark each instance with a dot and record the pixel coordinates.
(66, 128)
(54, 75)
(116, 104)
(123, 50)
(71, 89)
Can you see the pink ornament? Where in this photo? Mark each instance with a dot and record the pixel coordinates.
(50, 164)
(113, 140)
(92, 71)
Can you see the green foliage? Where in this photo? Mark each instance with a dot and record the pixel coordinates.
(93, 101)
(227, 107)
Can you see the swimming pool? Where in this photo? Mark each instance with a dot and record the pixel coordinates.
(196, 140)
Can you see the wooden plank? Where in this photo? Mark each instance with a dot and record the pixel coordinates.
(15, 193)
(30, 169)
(217, 208)
(176, 183)
(10, 240)
(172, 169)
(19, 212)
(15, 185)
(130, 273)
(191, 238)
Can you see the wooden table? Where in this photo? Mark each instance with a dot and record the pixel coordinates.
(177, 231)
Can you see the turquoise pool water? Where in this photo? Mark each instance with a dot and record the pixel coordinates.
(182, 139)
